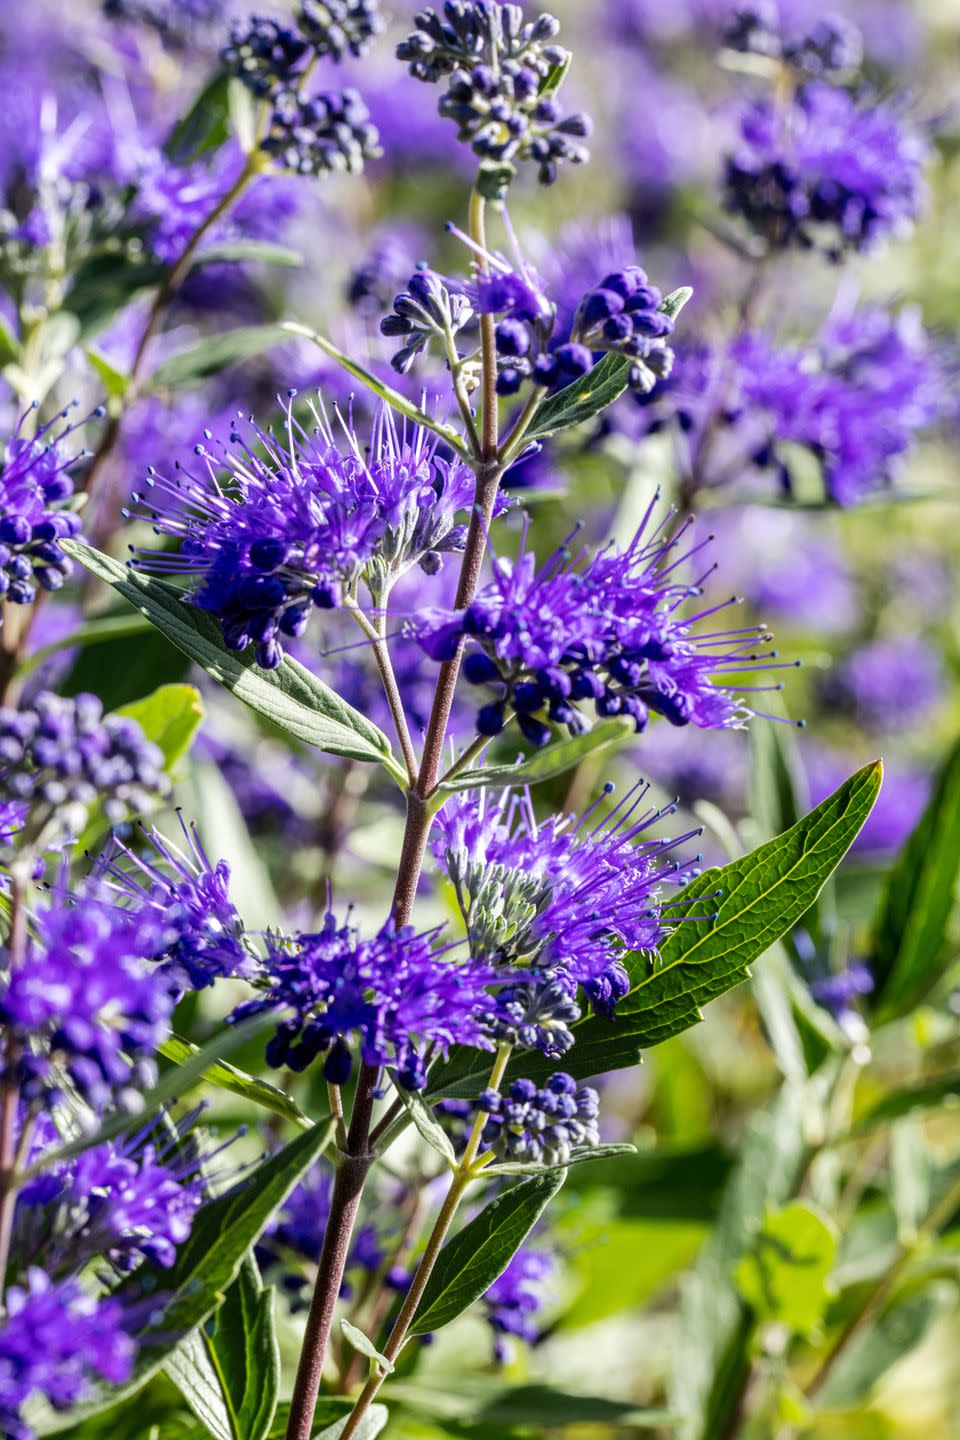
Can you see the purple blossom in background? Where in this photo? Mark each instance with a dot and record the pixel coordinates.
(295, 1234)
(601, 629)
(54, 1341)
(794, 571)
(179, 22)
(85, 998)
(890, 685)
(513, 1302)
(839, 994)
(395, 993)
(831, 171)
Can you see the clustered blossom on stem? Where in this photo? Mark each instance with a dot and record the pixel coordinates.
(857, 398)
(61, 754)
(129, 1201)
(601, 629)
(531, 1126)
(55, 1340)
(625, 315)
(189, 895)
(176, 21)
(395, 993)
(502, 75)
(85, 998)
(556, 905)
(36, 491)
(308, 132)
(270, 531)
(820, 165)
(514, 1300)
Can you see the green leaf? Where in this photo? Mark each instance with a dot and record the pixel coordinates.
(427, 1124)
(911, 926)
(900, 1329)
(785, 1277)
(578, 1157)
(712, 1345)
(113, 380)
(290, 696)
(540, 1408)
(9, 344)
(238, 1082)
(585, 398)
(207, 1263)
(393, 398)
(248, 252)
(929, 1094)
(170, 717)
(469, 1263)
(365, 1346)
(170, 1087)
(105, 284)
(549, 762)
(229, 1370)
(753, 902)
(368, 1429)
(216, 353)
(595, 392)
(206, 124)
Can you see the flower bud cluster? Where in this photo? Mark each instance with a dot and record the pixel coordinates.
(425, 311)
(35, 515)
(624, 314)
(541, 1127)
(327, 132)
(833, 44)
(503, 74)
(61, 755)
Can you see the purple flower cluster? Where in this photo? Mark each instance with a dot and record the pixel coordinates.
(828, 171)
(178, 22)
(60, 755)
(600, 629)
(502, 76)
(556, 905)
(394, 992)
(839, 994)
(128, 1202)
(84, 998)
(624, 314)
(35, 514)
(295, 529)
(513, 1302)
(308, 133)
(889, 685)
(531, 1126)
(833, 43)
(857, 399)
(54, 1340)
(189, 896)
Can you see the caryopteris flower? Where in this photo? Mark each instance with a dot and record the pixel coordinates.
(55, 1339)
(85, 998)
(176, 21)
(833, 44)
(624, 314)
(513, 1302)
(503, 74)
(545, 1126)
(394, 993)
(828, 170)
(336, 27)
(270, 532)
(426, 310)
(329, 132)
(62, 754)
(560, 901)
(203, 934)
(35, 514)
(601, 629)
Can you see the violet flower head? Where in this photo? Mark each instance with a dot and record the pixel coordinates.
(60, 755)
(271, 530)
(624, 315)
(178, 22)
(832, 172)
(839, 994)
(600, 629)
(514, 1301)
(54, 1341)
(531, 1126)
(502, 75)
(889, 685)
(830, 45)
(189, 895)
(35, 514)
(556, 905)
(85, 997)
(394, 993)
